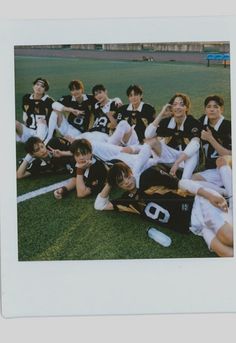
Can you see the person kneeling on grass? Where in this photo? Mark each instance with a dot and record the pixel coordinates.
(90, 173)
(43, 159)
(176, 204)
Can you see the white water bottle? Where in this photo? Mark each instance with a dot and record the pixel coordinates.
(159, 237)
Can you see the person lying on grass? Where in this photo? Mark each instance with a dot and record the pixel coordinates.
(90, 173)
(42, 159)
(92, 161)
(180, 205)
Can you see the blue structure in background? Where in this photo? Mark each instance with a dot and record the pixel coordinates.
(218, 57)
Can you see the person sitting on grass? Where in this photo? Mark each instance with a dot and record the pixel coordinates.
(73, 112)
(43, 159)
(217, 145)
(37, 110)
(90, 173)
(176, 204)
(179, 135)
(104, 110)
(132, 119)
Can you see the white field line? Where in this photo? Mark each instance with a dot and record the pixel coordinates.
(41, 191)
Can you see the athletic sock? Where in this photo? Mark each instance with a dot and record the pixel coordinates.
(226, 177)
(52, 125)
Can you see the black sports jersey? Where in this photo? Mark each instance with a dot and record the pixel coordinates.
(36, 109)
(222, 134)
(80, 122)
(95, 176)
(178, 138)
(52, 164)
(140, 118)
(101, 121)
(159, 200)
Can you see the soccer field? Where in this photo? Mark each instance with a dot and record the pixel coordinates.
(71, 229)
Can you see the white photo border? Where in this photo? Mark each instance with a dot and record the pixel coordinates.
(71, 288)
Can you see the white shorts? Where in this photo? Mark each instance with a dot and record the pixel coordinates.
(95, 136)
(122, 129)
(67, 129)
(41, 132)
(108, 152)
(168, 155)
(105, 151)
(213, 176)
(206, 219)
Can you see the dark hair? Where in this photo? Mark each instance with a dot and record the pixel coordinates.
(185, 98)
(218, 99)
(137, 90)
(76, 84)
(117, 173)
(81, 147)
(30, 143)
(43, 81)
(97, 88)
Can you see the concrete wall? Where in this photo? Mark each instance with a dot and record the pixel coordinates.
(165, 47)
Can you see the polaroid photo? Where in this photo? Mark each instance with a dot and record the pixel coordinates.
(116, 181)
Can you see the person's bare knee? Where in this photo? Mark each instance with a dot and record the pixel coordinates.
(221, 249)
(19, 128)
(154, 144)
(221, 162)
(197, 177)
(225, 234)
(127, 136)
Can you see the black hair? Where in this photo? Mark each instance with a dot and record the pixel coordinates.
(117, 173)
(43, 81)
(30, 143)
(81, 147)
(97, 88)
(218, 99)
(137, 90)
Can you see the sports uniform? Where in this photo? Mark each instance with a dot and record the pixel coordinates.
(174, 141)
(218, 176)
(166, 201)
(162, 205)
(112, 153)
(138, 120)
(52, 164)
(94, 176)
(222, 134)
(33, 111)
(75, 125)
(101, 128)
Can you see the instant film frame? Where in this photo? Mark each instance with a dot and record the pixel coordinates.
(105, 287)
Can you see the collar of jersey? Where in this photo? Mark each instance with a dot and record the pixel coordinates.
(139, 109)
(84, 96)
(106, 107)
(217, 125)
(43, 98)
(172, 124)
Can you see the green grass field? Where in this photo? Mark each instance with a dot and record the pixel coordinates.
(71, 229)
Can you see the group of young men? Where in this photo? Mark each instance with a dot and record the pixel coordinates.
(155, 159)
